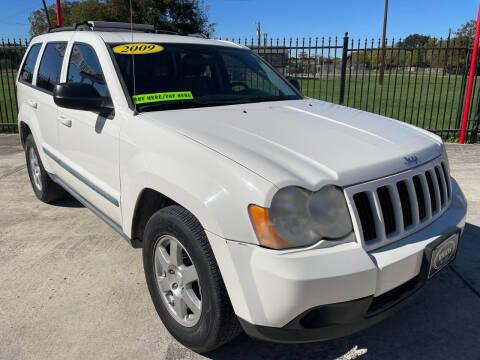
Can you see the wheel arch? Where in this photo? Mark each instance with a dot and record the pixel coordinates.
(24, 130)
(149, 201)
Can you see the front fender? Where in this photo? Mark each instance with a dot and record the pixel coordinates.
(212, 187)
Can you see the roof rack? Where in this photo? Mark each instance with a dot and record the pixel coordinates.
(104, 26)
(111, 26)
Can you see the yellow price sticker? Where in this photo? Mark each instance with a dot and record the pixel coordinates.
(129, 49)
(164, 96)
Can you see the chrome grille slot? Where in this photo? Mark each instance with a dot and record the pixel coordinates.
(447, 180)
(431, 190)
(422, 212)
(364, 209)
(387, 209)
(406, 205)
(441, 184)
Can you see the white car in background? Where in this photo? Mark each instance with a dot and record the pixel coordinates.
(256, 208)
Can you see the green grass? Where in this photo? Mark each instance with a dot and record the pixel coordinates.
(431, 102)
(8, 109)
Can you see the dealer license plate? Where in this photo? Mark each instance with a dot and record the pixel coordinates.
(443, 254)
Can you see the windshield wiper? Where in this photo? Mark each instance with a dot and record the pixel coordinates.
(263, 98)
(171, 105)
(182, 104)
(243, 100)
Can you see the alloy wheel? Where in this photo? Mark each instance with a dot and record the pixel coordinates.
(35, 170)
(177, 281)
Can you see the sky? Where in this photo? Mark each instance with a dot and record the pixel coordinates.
(300, 18)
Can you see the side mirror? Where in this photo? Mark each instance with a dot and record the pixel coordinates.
(294, 82)
(80, 96)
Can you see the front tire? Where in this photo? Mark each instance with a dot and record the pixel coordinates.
(184, 281)
(45, 189)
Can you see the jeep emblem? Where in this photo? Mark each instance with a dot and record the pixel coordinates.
(410, 160)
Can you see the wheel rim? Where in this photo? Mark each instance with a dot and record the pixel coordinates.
(35, 169)
(177, 281)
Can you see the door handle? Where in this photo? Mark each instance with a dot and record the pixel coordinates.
(32, 103)
(65, 121)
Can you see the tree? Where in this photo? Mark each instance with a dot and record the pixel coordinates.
(38, 20)
(465, 34)
(189, 16)
(467, 30)
(414, 41)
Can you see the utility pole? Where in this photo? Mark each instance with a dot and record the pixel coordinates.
(382, 60)
(445, 60)
(259, 34)
(59, 13)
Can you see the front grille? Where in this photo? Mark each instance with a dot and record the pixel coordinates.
(442, 187)
(390, 208)
(444, 169)
(420, 197)
(366, 215)
(387, 209)
(405, 203)
(431, 192)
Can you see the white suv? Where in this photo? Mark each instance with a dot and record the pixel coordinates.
(256, 208)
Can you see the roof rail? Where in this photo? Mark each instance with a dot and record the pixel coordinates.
(118, 26)
(104, 26)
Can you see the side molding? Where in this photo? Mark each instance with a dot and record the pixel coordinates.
(88, 205)
(82, 178)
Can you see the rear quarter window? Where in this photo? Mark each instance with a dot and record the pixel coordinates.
(51, 65)
(26, 74)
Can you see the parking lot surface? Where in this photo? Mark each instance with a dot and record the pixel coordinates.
(72, 288)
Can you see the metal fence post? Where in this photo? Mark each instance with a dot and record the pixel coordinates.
(343, 74)
(476, 121)
(463, 87)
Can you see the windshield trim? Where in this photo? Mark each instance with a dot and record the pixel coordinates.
(135, 109)
(130, 103)
(282, 76)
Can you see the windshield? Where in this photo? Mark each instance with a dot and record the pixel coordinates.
(173, 76)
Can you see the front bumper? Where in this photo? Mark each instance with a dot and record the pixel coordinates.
(318, 294)
(340, 319)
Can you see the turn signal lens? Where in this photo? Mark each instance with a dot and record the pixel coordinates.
(265, 233)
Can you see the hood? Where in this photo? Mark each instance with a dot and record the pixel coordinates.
(306, 142)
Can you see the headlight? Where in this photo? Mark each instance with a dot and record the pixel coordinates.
(329, 212)
(298, 217)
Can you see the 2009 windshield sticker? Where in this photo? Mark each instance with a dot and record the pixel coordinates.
(165, 96)
(128, 49)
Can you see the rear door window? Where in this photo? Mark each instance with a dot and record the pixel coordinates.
(26, 74)
(84, 67)
(51, 65)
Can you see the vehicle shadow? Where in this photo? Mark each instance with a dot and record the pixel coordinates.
(443, 322)
(68, 202)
